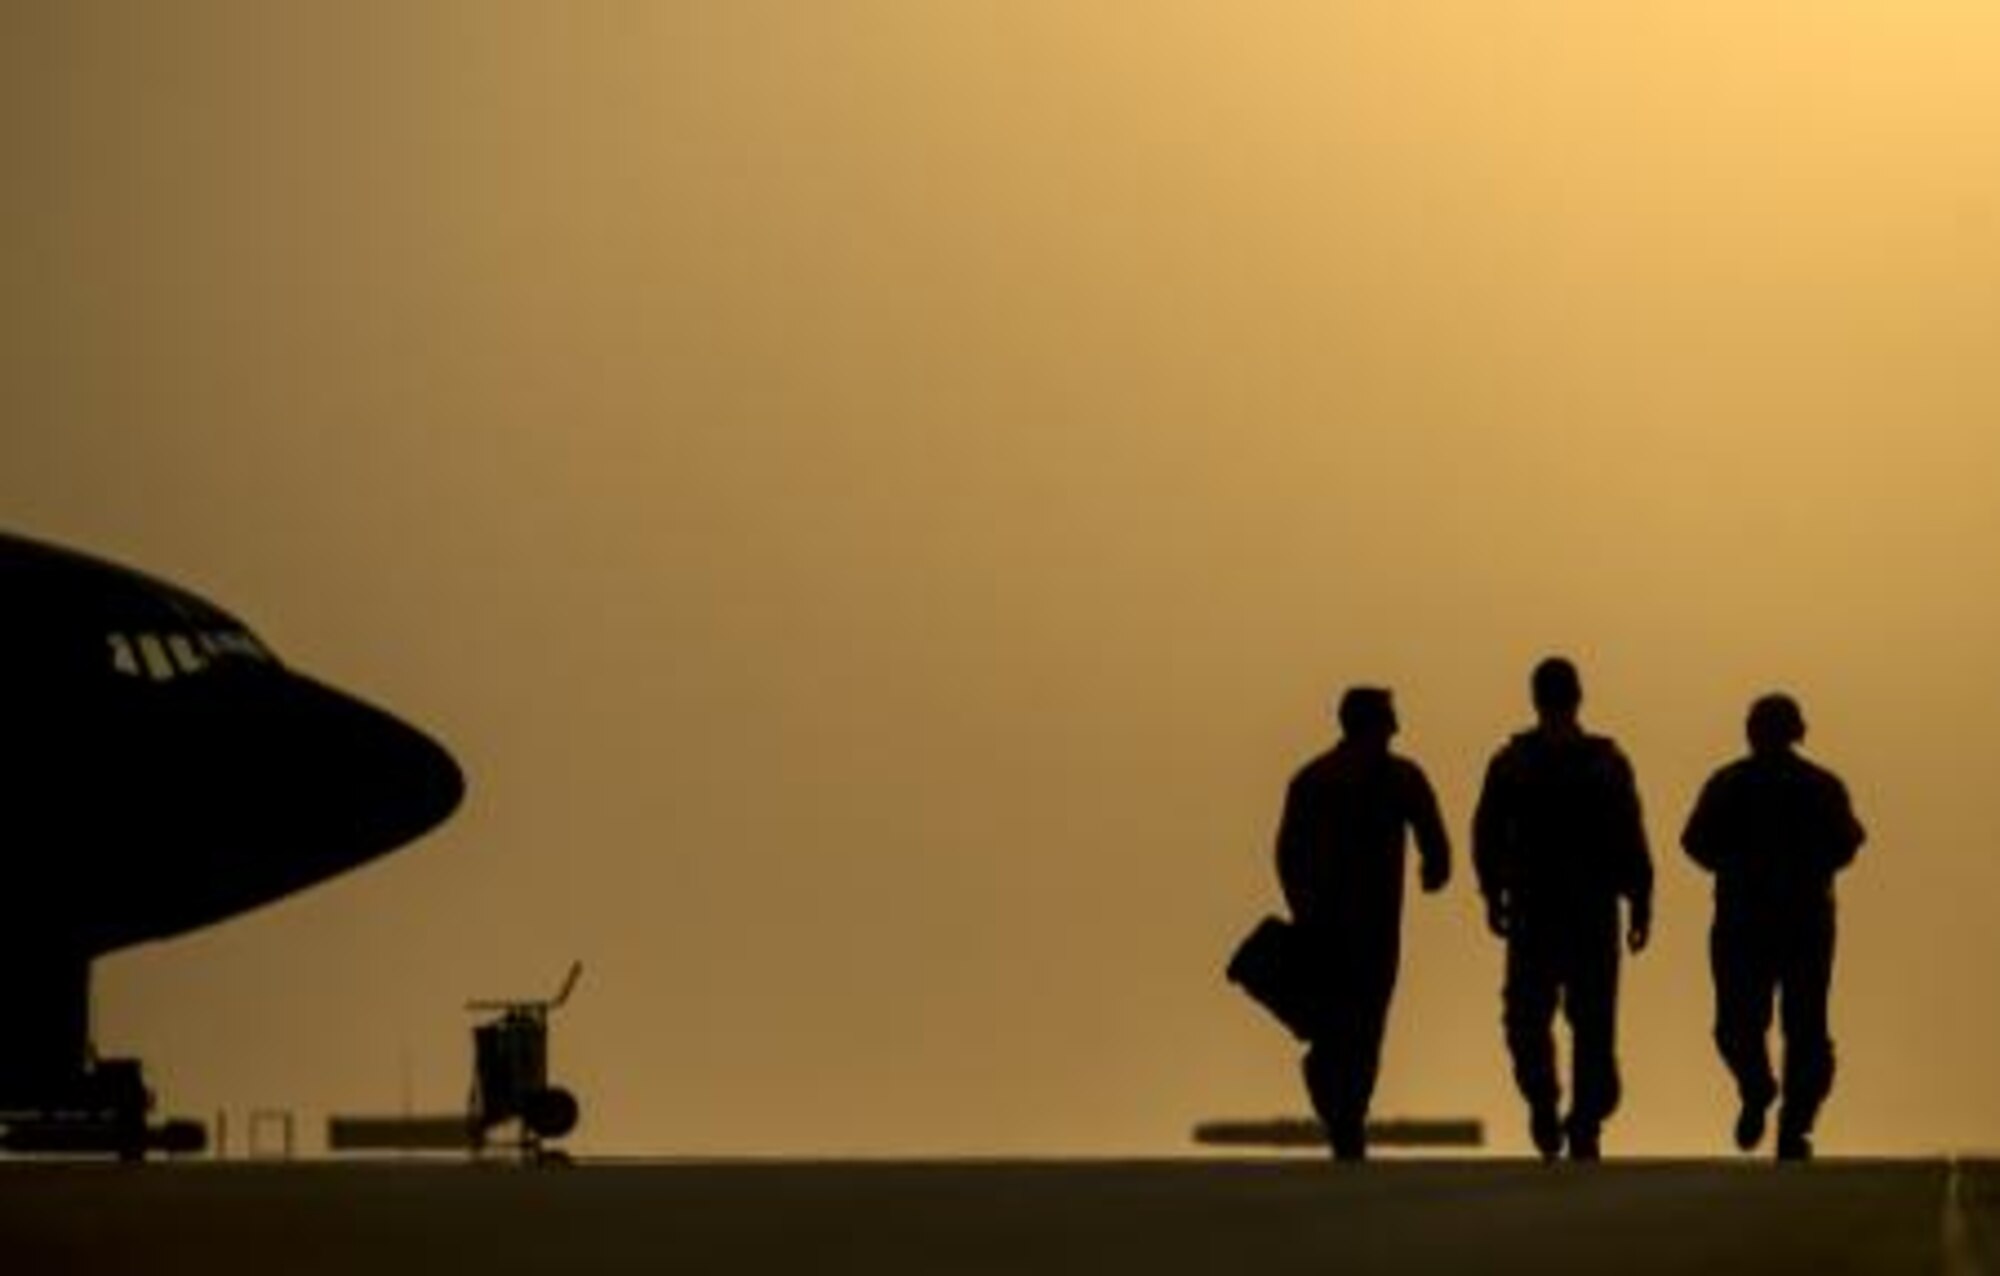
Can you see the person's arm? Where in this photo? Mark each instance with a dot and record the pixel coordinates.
(1636, 865)
(1703, 839)
(1296, 836)
(1845, 834)
(1433, 843)
(1493, 841)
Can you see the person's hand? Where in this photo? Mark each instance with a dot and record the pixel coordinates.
(1641, 931)
(1434, 874)
(1496, 914)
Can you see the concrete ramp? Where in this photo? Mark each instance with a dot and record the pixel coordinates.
(1278, 1217)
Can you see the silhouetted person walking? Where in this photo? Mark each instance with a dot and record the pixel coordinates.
(1557, 842)
(1341, 864)
(1774, 829)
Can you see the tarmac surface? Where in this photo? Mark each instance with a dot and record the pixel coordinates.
(883, 1218)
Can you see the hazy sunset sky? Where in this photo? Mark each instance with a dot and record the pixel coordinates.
(879, 494)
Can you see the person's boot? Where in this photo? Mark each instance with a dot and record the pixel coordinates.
(1751, 1119)
(1793, 1145)
(1545, 1128)
(1349, 1137)
(1583, 1139)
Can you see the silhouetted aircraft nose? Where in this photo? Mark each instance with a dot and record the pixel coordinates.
(161, 769)
(221, 792)
(356, 782)
(295, 782)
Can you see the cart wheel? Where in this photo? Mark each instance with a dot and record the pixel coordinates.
(181, 1137)
(550, 1113)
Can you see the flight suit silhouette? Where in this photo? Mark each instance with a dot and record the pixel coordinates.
(1774, 829)
(1558, 840)
(1341, 862)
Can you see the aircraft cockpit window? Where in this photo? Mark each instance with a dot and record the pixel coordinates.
(163, 657)
(123, 658)
(186, 658)
(154, 653)
(235, 642)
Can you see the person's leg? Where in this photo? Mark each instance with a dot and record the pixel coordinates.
(1590, 1003)
(1740, 964)
(1364, 1052)
(1321, 1069)
(1352, 1050)
(1806, 974)
(1529, 1008)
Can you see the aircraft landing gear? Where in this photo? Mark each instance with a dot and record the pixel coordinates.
(103, 1110)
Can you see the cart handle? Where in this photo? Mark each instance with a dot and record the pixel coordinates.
(562, 995)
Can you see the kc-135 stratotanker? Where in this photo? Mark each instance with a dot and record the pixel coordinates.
(160, 770)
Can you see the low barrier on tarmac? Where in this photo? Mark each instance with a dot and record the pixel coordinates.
(1306, 1132)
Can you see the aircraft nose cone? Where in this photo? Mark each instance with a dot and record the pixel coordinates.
(377, 783)
(425, 782)
(240, 789)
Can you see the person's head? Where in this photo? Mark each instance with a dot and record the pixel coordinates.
(1367, 715)
(1774, 724)
(1557, 690)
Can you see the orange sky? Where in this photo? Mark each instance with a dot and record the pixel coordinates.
(878, 495)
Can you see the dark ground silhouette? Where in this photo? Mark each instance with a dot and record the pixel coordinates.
(1297, 1218)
